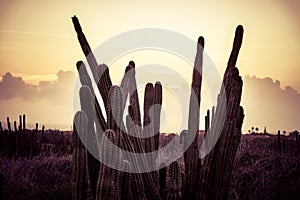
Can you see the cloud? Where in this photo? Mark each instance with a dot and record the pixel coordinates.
(15, 87)
(267, 104)
(58, 91)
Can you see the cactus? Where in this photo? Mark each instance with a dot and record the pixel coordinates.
(126, 192)
(15, 126)
(8, 125)
(148, 116)
(162, 180)
(20, 123)
(79, 181)
(1, 138)
(191, 158)
(1, 185)
(1, 128)
(115, 115)
(175, 182)
(134, 99)
(17, 142)
(216, 170)
(103, 82)
(86, 81)
(87, 106)
(157, 111)
(24, 123)
(108, 186)
(278, 141)
(203, 178)
(296, 135)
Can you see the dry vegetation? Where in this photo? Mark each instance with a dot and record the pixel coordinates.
(260, 172)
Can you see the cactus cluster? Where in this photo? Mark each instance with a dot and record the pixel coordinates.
(201, 178)
(20, 141)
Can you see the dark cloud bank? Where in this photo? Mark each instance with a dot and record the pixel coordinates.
(265, 102)
(57, 91)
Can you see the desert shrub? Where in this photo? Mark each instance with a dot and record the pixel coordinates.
(260, 172)
(37, 178)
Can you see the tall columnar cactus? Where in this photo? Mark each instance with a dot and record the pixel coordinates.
(15, 126)
(126, 192)
(15, 142)
(163, 181)
(148, 119)
(115, 118)
(157, 111)
(278, 141)
(203, 178)
(86, 81)
(216, 171)
(134, 99)
(1, 185)
(296, 135)
(175, 182)
(191, 154)
(24, 123)
(79, 176)
(108, 186)
(20, 123)
(1, 128)
(8, 125)
(1, 138)
(104, 82)
(87, 105)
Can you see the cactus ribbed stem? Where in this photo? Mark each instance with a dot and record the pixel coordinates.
(157, 111)
(100, 73)
(125, 83)
(116, 99)
(79, 181)
(126, 192)
(104, 84)
(87, 105)
(134, 98)
(175, 182)
(191, 158)
(214, 179)
(108, 186)
(85, 80)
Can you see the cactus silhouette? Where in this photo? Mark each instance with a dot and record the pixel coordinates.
(19, 141)
(201, 178)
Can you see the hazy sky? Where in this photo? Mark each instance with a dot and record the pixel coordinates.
(38, 43)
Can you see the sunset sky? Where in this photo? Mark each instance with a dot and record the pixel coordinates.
(39, 49)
